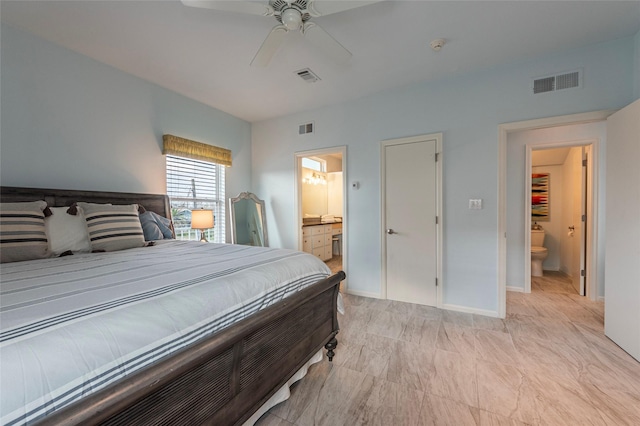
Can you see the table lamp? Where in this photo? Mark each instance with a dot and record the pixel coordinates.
(202, 219)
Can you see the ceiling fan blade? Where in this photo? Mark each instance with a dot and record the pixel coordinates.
(318, 36)
(270, 46)
(248, 7)
(327, 7)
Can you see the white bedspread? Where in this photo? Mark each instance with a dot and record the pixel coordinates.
(70, 326)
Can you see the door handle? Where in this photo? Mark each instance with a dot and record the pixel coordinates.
(391, 231)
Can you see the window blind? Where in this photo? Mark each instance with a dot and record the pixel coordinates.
(194, 184)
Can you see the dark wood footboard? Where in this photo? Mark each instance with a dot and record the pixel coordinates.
(225, 378)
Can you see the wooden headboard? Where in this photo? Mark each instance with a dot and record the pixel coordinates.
(158, 203)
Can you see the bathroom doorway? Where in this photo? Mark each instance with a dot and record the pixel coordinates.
(513, 204)
(321, 205)
(565, 213)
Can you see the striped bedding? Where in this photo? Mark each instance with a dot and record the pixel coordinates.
(73, 325)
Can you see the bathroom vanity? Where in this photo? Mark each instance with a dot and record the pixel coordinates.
(317, 238)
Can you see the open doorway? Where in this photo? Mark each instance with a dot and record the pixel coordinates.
(509, 231)
(560, 181)
(321, 205)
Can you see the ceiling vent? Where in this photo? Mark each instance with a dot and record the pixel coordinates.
(307, 75)
(306, 128)
(557, 82)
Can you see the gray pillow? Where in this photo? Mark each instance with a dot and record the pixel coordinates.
(112, 227)
(22, 231)
(155, 227)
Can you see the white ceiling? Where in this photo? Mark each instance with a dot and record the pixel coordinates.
(205, 54)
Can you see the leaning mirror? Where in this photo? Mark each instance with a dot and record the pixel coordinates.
(248, 225)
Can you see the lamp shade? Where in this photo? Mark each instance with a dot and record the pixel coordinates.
(201, 219)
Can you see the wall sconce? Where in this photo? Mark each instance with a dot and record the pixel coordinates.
(315, 179)
(202, 219)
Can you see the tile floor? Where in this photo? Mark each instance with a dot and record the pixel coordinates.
(547, 363)
(335, 263)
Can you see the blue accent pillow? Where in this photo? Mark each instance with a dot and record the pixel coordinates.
(155, 227)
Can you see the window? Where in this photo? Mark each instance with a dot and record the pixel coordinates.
(314, 164)
(194, 184)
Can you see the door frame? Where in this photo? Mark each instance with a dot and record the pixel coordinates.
(588, 245)
(297, 156)
(503, 132)
(383, 219)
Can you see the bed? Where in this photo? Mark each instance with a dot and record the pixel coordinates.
(218, 369)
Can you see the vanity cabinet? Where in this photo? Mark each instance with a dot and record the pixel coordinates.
(336, 246)
(317, 240)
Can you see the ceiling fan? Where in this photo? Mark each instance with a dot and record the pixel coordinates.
(292, 16)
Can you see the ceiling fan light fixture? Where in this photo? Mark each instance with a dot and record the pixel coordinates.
(291, 15)
(292, 19)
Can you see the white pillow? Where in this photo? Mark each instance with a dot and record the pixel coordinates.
(66, 232)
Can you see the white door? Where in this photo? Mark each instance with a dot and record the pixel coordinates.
(579, 224)
(622, 265)
(583, 220)
(410, 206)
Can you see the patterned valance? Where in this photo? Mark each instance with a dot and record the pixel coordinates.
(174, 145)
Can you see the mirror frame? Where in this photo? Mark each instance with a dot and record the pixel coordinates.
(260, 203)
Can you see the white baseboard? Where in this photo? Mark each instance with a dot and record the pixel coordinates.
(516, 289)
(450, 307)
(468, 310)
(363, 293)
(600, 298)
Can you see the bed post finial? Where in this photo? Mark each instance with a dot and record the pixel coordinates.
(330, 346)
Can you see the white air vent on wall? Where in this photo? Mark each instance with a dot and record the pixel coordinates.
(307, 75)
(303, 129)
(557, 82)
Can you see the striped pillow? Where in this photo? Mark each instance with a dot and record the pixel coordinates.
(22, 232)
(111, 227)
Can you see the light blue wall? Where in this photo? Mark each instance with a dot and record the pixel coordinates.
(636, 77)
(467, 109)
(71, 122)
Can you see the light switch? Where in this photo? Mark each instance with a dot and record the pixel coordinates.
(475, 203)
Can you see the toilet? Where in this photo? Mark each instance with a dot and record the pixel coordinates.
(538, 252)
